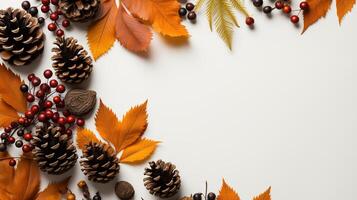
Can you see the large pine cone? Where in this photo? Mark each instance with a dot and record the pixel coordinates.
(71, 62)
(79, 10)
(21, 37)
(99, 162)
(162, 179)
(54, 151)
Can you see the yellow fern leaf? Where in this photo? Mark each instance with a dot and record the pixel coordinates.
(199, 4)
(238, 4)
(210, 11)
(223, 23)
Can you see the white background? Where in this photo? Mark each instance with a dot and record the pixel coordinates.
(279, 110)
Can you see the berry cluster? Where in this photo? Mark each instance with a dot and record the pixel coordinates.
(209, 196)
(188, 10)
(46, 105)
(285, 6)
(54, 15)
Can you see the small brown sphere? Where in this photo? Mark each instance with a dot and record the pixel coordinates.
(124, 190)
(192, 15)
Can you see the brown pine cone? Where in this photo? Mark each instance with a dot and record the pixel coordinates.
(79, 10)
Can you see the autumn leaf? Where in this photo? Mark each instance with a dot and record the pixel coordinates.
(6, 173)
(264, 196)
(132, 34)
(103, 10)
(10, 89)
(84, 137)
(7, 114)
(227, 193)
(343, 7)
(161, 14)
(101, 34)
(54, 191)
(139, 151)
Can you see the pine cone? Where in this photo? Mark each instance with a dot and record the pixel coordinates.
(79, 10)
(99, 162)
(54, 152)
(71, 61)
(162, 179)
(21, 38)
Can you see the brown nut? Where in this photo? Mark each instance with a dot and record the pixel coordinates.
(80, 102)
(124, 190)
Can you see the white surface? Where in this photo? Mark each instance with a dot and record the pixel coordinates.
(279, 110)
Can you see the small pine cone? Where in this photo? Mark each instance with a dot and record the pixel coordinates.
(21, 37)
(54, 151)
(71, 62)
(162, 179)
(79, 10)
(99, 162)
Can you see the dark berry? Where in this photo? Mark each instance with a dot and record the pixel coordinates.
(287, 9)
(65, 23)
(42, 117)
(61, 88)
(30, 98)
(52, 26)
(294, 19)
(7, 129)
(71, 119)
(97, 197)
(12, 162)
(55, 117)
(80, 122)
(36, 81)
(54, 2)
(2, 147)
(45, 9)
(20, 133)
(190, 6)
(49, 114)
(29, 114)
(191, 15)
(35, 109)
(57, 99)
(24, 88)
(33, 11)
(69, 132)
(19, 143)
(304, 5)
(54, 16)
(60, 104)
(45, 2)
(40, 94)
(47, 73)
(25, 5)
(21, 120)
(267, 9)
(11, 140)
(182, 12)
(59, 33)
(211, 196)
(48, 104)
(45, 87)
(62, 121)
(14, 124)
(31, 76)
(66, 113)
(197, 196)
(53, 83)
(249, 21)
(257, 3)
(279, 5)
(4, 136)
(26, 148)
(41, 20)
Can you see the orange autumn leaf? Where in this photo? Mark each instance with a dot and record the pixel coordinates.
(132, 34)
(317, 10)
(6, 174)
(54, 191)
(7, 114)
(103, 10)
(84, 137)
(227, 192)
(264, 196)
(10, 89)
(139, 151)
(101, 34)
(161, 14)
(343, 7)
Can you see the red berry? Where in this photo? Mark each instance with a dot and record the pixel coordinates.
(42, 117)
(52, 27)
(59, 33)
(60, 104)
(30, 98)
(61, 88)
(27, 136)
(55, 117)
(47, 73)
(12, 162)
(287, 9)
(21, 120)
(59, 12)
(69, 132)
(57, 99)
(71, 119)
(30, 77)
(35, 109)
(294, 19)
(4, 136)
(66, 113)
(304, 5)
(14, 125)
(36, 81)
(40, 94)
(8, 129)
(80, 122)
(26, 148)
(53, 83)
(62, 121)
(11, 140)
(48, 104)
(29, 114)
(54, 16)
(54, 2)
(249, 21)
(45, 2)
(45, 87)
(65, 23)
(49, 114)
(45, 8)
(279, 5)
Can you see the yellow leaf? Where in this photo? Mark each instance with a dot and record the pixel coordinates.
(7, 114)
(317, 10)
(227, 193)
(101, 34)
(343, 7)
(84, 137)
(10, 89)
(108, 125)
(264, 196)
(161, 14)
(139, 151)
(54, 191)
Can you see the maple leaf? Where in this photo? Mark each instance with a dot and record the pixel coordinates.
(139, 151)
(101, 34)
(227, 193)
(161, 14)
(132, 34)
(264, 196)
(319, 8)
(10, 89)
(7, 114)
(85, 136)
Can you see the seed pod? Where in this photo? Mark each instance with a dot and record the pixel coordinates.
(80, 102)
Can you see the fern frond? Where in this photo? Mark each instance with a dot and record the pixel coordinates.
(229, 10)
(199, 4)
(210, 9)
(223, 22)
(238, 4)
